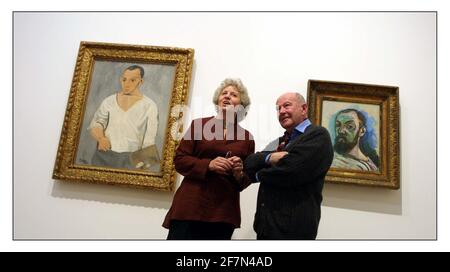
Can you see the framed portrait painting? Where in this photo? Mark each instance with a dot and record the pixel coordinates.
(120, 115)
(363, 122)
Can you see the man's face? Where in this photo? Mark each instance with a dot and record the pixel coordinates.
(130, 80)
(348, 131)
(291, 111)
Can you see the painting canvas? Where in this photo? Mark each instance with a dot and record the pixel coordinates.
(106, 83)
(118, 121)
(355, 132)
(362, 120)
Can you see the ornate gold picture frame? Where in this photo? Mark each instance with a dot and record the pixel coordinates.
(121, 113)
(363, 122)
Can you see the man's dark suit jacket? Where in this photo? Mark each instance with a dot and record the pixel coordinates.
(290, 192)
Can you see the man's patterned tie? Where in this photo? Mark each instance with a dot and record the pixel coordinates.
(284, 141)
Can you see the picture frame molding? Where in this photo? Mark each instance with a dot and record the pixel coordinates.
(65, 168)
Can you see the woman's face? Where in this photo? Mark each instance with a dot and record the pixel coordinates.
(229, 96)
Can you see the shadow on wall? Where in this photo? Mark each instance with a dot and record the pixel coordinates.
(112, 194)
(370, 199)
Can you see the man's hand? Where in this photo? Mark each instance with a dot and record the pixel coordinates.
(104, 144)
(276, 156)
(238, 167)
(220, 165)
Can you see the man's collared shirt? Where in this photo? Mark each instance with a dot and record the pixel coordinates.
(298, 130)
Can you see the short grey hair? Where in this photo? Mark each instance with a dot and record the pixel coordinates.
(300, 98)
(237, 83)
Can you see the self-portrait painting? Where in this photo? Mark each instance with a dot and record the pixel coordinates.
(355, 132)
(362, 121)
(126, 114)
(118, 119)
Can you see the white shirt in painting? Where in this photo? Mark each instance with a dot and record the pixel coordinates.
(130, 130)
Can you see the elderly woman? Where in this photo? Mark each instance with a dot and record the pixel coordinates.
(210, 155)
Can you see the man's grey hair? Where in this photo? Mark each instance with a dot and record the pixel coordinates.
(237, 83)
(297, 95)
(300, 98)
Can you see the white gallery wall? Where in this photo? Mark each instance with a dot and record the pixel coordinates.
(272, 53)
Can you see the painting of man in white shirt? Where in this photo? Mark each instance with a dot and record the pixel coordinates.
(124, 123)
(126, 115)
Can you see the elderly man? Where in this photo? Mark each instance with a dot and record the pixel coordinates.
(292, 177)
